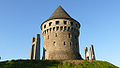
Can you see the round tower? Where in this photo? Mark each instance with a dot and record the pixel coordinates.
(60, 33)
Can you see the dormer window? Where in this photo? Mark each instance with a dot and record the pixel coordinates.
(57, 22)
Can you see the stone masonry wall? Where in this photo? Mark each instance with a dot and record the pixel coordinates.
(61, 39)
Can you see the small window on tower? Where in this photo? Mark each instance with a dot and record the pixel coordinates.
(76, 44)
(57, 28)
(75, 37)
(50, 23)
(53, 28)
(69, 35)
(61, 27)
(76, 25)
(65, 22)
(44, 26)
(48, 36)
(65, 28)
(70, 43)
(72, 29)
(71, 23)
(50, 29)
(47, 30)
(55, 34)
(54, 43)
(57, 22)
(64, 43)
(68, 28)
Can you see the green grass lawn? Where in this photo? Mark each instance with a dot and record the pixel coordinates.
(55, 64)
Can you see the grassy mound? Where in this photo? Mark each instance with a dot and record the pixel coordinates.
(55, 64)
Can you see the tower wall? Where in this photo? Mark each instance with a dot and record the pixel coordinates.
(61, 39)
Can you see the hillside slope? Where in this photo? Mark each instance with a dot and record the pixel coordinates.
(56, 64)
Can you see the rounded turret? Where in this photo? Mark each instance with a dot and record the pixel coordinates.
(60, 33)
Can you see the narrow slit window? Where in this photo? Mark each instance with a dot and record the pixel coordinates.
(70, 43)
(69, 35)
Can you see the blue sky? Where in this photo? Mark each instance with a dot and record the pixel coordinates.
(20, 20)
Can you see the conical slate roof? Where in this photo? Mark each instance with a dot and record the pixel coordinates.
(59, 13)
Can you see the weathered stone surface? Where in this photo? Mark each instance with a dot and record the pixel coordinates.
(35, 48)
(92, 52)
(89, 53)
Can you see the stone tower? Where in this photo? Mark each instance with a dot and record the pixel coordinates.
(60, 33)
(35, 48)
